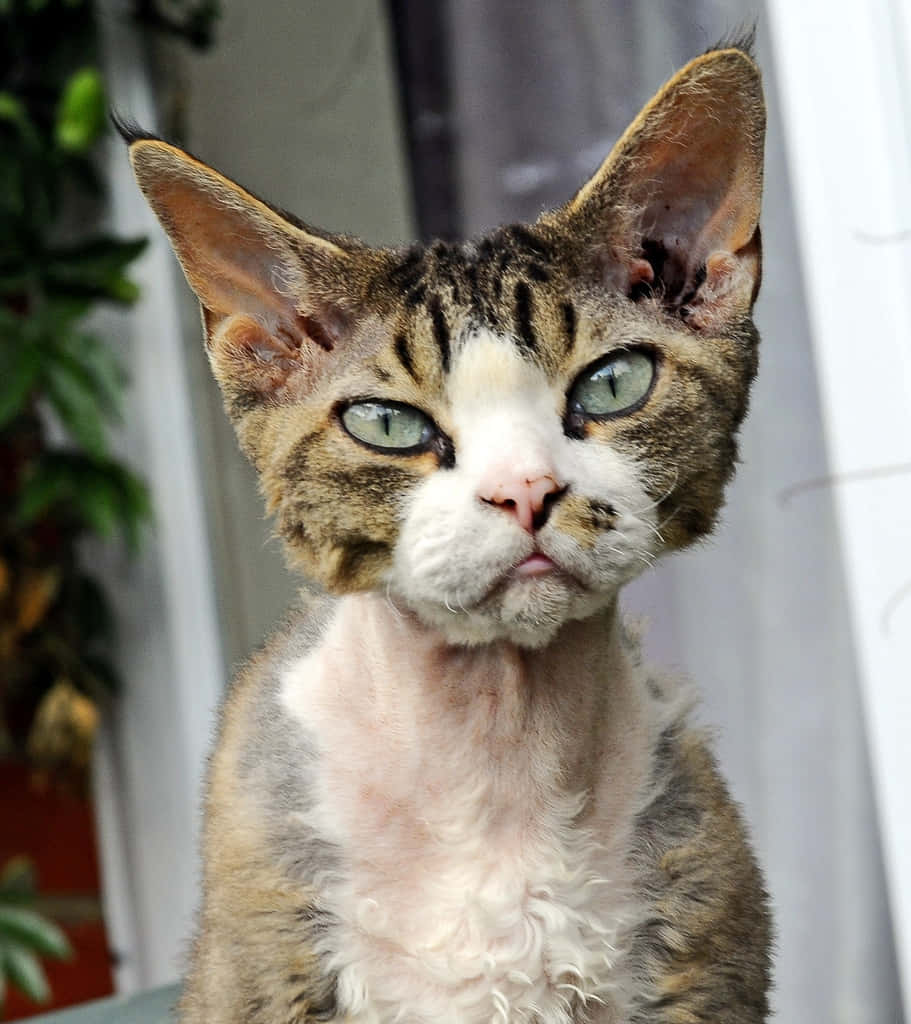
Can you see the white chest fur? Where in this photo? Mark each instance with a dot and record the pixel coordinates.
(482, 802)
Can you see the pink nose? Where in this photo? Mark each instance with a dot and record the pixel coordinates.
(528, 500)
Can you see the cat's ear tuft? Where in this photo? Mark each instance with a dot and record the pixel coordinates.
(673, 212)
(272, 293)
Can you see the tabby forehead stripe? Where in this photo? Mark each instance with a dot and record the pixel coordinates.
(538, 273)
(407, 274)
(403, 352)
(471, 276)
(523, 314)
(440, 330)
(569, 322)
(531, 241)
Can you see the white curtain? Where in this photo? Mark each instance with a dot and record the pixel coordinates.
(757, 616)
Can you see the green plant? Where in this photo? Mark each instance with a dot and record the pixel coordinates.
(25, 935)
(62, 388)
(61, 384)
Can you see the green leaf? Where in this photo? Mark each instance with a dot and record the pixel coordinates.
(23, 970)
(59, 313)
(18, 380)
(81, 111)
(101, 492)
(48, 483)
(74, 397)
(96, 267)
(137, 507)
(14, 111)
(11, 109)
(101, 367)
(99, 506)
(34, 932)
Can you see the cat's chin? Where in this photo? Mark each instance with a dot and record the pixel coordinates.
(528, 613)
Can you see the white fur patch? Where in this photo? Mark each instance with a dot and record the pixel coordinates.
(482, 804)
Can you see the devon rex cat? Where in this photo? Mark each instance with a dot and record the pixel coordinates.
(452, 792)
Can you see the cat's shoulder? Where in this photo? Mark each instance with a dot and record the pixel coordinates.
(256, 740)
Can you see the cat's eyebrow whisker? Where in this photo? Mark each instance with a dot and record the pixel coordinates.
(668, 518)
(656, 530)
(663, 497)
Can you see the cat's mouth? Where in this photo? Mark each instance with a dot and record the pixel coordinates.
(537, 564)
(536, 567)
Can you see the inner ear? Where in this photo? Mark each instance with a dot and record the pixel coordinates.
(673, 212)
(274, 295)
(275, 359)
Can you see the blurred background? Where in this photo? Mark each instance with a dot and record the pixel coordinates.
(137, 568)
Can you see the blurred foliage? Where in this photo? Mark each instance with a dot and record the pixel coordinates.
(25, 935)
(61, 384)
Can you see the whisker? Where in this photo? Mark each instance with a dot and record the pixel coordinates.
(667, 519)
(657, 501)
(656, 530)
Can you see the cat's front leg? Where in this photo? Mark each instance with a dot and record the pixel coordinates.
(704, 943)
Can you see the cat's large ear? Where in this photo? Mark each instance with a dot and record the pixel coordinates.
(276, 298)
(673, 212)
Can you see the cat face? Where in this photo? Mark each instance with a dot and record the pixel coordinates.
(501, 433)
(535, 522)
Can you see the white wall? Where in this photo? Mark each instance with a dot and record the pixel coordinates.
(846, 95)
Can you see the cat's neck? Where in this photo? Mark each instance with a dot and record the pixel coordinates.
(575, 710)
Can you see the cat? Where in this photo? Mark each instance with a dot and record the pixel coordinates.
(449, 789)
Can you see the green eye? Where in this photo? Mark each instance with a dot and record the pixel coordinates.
(615, 385)
(388, 425)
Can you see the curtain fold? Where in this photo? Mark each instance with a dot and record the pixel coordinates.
(757, 617)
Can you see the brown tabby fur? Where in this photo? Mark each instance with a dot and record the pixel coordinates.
(365, 321)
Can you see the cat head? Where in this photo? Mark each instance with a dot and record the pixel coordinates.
(500, 433)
